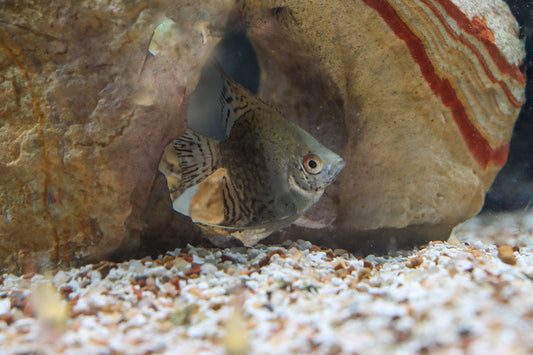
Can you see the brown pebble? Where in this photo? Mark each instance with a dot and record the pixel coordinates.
(168, 258)
(195, 269)
(263, 262)
(185, 257)
(364, 274)
(7, 317)
(65, 290)
(368, 264)
(176, 282)
(315, 248)
(297, 267)
(506, 254)
(343, 272)
(225, 257)
(414, 262)
(339, 265)
(216, 306)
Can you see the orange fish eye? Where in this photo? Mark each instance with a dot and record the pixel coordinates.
(312, 164)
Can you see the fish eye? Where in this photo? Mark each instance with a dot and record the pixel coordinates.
(312, 164)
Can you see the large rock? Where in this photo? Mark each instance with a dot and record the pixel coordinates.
(85, 115)
(419, 97)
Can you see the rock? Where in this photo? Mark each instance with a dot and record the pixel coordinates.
(420, 99)
(85, 116)
(506, 254)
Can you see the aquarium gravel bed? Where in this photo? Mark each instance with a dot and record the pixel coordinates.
(467, 295)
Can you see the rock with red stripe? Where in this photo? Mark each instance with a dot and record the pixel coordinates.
(421, 96)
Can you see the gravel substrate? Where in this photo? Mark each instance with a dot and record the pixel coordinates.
(472, 294)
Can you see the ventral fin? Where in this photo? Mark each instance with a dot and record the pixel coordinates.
(235, 101)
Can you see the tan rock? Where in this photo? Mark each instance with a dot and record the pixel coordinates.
(506, 254)
(85, 115)
(420, 98)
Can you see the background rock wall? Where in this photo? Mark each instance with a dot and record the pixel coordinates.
(85, 115)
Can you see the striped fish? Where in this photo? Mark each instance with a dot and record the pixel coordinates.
(273, 169)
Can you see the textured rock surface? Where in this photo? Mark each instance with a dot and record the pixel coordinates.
(85, 115)
(422, 98)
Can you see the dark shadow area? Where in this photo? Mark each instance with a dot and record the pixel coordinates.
(513, 187)
(237, 56)
(383, 241)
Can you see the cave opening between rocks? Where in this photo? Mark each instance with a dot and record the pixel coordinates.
(237, 56)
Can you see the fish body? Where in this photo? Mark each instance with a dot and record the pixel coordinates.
(274, 170)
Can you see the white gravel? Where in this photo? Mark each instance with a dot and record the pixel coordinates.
(455, 297)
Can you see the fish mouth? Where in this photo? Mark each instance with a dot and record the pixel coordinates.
(335, 169)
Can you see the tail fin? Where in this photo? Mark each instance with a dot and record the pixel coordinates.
(197, 156)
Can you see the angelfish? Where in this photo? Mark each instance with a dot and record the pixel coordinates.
(274, 170)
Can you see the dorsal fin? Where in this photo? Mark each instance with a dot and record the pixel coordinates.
(235, 101)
